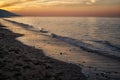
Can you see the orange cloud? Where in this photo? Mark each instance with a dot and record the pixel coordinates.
(12, 3)
(72, 11)
(63, 7)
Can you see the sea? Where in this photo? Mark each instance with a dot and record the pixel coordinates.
(98, 37)
(94, 34)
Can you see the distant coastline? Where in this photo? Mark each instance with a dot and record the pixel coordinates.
(4, 13)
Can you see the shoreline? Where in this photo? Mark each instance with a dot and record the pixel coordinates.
(104, 48)
(19, 61)
(93, 65)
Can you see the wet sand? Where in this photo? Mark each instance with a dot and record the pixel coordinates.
(19, 61)
(95, 67)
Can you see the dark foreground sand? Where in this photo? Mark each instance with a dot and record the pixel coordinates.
(22, 62)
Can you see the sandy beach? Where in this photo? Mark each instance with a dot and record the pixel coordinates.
(59, 39)
(23, 62)
(64, 61)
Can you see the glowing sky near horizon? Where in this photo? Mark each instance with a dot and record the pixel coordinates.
(62, 7)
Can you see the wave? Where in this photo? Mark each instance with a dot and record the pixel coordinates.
(109, 44)
(101, 47)
(18, 23)
(95, 46)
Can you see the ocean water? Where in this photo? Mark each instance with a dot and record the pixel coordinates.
(96, 34)
(91, 34)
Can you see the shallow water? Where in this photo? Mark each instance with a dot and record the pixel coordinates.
(95, 67)
(92, 33)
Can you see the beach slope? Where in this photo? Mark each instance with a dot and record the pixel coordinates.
(23, 62)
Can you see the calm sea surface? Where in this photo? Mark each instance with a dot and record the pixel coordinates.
(94, 33)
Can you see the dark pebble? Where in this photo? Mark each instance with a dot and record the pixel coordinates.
(61, 53)
(83, 62)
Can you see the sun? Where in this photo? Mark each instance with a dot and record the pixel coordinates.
(93, 1)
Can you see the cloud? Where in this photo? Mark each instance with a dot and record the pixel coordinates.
(11, 3)
(57, 3)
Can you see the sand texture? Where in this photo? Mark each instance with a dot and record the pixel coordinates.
(22, 62)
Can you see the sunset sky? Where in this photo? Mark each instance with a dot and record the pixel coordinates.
(62, 7)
